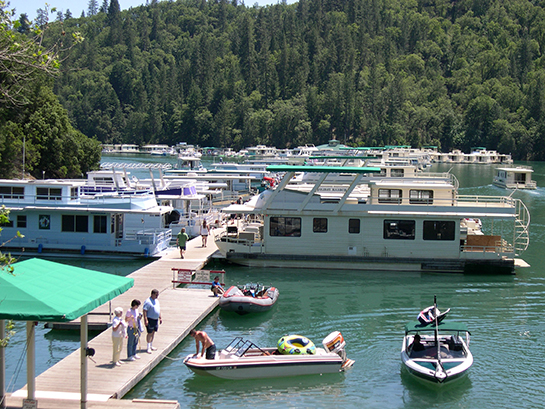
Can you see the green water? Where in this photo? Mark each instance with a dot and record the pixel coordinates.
(504, 314)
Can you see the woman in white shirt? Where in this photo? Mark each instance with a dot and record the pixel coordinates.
(205, 230)
(118, 333)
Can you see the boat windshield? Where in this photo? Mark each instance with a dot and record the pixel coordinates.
(239, 347)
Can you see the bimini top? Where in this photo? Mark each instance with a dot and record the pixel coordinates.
(416, 326)
(323, 169)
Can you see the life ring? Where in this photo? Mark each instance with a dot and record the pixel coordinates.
(296, 345)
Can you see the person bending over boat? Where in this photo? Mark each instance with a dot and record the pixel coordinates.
(202, 337)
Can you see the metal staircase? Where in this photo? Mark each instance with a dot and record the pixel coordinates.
(522, 223)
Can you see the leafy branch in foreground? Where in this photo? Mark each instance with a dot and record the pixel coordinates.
(21, 58)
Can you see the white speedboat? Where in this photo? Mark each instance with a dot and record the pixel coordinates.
(437, 352)
(251, 297)
(245, 360)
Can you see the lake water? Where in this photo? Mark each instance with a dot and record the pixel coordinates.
(504, 313)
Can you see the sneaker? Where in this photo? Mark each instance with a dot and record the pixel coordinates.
(149, 351)
(132, 358)
(118, 363)
(153, 349)
(137, 356)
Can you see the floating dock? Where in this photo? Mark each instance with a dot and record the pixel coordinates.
(59, 386)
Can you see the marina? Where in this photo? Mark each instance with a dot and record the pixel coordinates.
(371, 309)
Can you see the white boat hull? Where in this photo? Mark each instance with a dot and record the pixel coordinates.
(266, 366)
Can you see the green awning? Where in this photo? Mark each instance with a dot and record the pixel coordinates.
(416, 326)
(41, 290)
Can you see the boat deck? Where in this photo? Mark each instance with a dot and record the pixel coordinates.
(59, 386)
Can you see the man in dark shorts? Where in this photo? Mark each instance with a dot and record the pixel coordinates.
(152, 318)
(208, 345)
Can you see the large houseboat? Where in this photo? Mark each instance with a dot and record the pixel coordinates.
(57, 218)
(515, 177)
(402, 224)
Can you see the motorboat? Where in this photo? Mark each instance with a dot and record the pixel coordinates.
(436, 352)
(242, 359)
(251, 297)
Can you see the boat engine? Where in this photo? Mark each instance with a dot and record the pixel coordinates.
(335, 342)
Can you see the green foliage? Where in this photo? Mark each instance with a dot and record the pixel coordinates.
(367, 72)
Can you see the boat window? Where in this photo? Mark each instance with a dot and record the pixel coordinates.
(397, 173)
(285, 227)
(72, 223)
(7, 223)
(421, 196)
(100, 224)
(354, 226)
(439, 230)
(73, 193)
(390, 196)
(319, 225)
(48, 193)
(399, 229)
(21, 221)
(12, 192)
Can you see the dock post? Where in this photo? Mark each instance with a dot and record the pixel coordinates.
(2, 366)
(83, 358)
(31, 361)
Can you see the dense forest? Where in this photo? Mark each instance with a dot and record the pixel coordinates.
(454, 74)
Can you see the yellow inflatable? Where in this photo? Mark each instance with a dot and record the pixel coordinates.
(296, 345)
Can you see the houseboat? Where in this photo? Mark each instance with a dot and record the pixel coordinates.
(518, 177)
(56, 218)
(403, 224)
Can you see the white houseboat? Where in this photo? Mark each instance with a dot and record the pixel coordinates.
(404, 224)
(54, 217)
(518, 177)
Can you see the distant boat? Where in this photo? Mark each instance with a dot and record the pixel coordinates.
(517, 177)
(436, 352)
(248, 298)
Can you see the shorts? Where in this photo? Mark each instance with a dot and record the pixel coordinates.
(211, 352)
(153, 325)
(182, 247)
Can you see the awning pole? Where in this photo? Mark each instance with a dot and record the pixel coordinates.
(2, 366)
(83, 358)
(30, 361)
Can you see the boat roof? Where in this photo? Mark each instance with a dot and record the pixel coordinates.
(323, 169)
(416, 326)
(517, 169)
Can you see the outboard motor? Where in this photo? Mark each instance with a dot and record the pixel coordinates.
(334, 342)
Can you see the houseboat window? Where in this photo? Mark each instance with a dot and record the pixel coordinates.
(319, 225)
(285, 226)
(399, 229)
(421, 196)
(48, 193)
(390, 195)
(73, 193)
(399, 173)
(21, 221)
(354, 226)
(12, 192)
(100, 224)
(72, 223)
(439, 230)
(8, 223)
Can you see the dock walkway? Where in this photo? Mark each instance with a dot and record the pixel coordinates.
(59, 386)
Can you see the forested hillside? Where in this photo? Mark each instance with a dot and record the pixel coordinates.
(456, 74)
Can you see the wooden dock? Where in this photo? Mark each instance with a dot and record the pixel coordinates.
(181, 309)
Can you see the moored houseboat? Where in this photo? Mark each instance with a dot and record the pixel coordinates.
(403, 224)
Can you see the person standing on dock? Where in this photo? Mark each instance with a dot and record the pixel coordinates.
(181, 241)
(134, 322)
(118, 333)
(205, 231)
(208, 345)
(152, 318)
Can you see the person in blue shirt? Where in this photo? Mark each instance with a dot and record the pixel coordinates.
(216, 288)
(152, 318)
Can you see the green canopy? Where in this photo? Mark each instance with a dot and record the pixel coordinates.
(416, 326)
(41, 290)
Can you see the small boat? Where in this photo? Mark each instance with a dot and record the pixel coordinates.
(515, 177)
(437, 352)
(242, 359)
(251, 297)
(427, 315)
